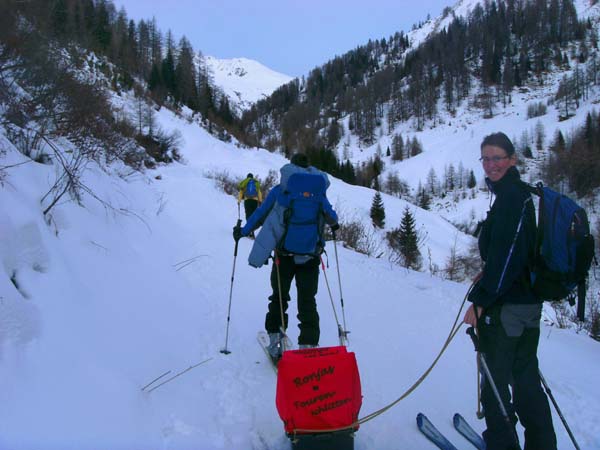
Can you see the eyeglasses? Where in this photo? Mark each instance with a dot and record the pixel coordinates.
(494, 159)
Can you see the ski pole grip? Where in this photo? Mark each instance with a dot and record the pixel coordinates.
(238, 225)
(474, 338)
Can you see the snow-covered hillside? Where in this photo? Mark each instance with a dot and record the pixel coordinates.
(243, 80)
(462, 8)
(454, 139)
(98, 303)
(98, 300)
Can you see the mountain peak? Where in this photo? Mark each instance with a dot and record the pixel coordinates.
(244, 81)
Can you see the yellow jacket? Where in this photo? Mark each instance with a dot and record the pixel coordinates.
(242, 187)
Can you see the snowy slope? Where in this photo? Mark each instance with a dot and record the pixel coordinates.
(107, 311)
(100, 302)
(462, 8)
(243, 80)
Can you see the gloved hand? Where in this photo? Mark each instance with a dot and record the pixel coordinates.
(237, 233)
(335, 227)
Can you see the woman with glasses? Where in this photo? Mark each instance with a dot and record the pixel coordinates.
(504, 309)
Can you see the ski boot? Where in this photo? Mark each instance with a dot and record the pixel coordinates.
(275, 347)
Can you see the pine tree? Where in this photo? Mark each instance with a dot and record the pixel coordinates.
(59, 18)
(144, 49)
(460, 175)
(397, 148)
(540, 136)
(185, 75)
(432, 182)
(156, 42)
(404, 242)
(334, 134)
(347, 172)
(423, 198)
(378, 211)
(168, 72)
(415, 147)
(101, 31)
(559, 142)
(471, 182)
(450, 177)
(206, 101)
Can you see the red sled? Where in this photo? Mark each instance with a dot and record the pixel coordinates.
(318, 391)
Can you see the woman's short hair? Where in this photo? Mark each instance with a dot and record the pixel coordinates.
(501, 140)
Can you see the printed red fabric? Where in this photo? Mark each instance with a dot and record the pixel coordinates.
(318, 389)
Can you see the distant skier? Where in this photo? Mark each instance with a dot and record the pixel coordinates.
(249, 191)
(505, 310)
(293, 217)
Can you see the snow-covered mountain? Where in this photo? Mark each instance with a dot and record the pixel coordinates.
(132, 283)
(462, 8)
(243, 80)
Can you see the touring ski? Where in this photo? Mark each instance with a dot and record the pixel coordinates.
(463, 427)
(432, 433)
(263, 340)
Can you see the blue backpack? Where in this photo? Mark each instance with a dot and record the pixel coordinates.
(303, 216)
(564, 249)
(251, 190)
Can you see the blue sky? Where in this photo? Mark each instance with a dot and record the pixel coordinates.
(288, 36)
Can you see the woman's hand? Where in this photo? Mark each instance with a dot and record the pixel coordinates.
(470, 316)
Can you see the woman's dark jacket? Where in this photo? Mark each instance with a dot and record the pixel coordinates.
(507, 244)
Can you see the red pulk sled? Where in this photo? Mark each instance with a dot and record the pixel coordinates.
(318, 393)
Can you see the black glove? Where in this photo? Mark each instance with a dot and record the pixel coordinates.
(335, 227)
(237, 233)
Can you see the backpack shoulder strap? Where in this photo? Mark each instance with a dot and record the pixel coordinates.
(536, 189)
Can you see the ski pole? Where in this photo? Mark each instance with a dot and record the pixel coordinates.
(480, 413)
(282, 328)
(337, 265)
(488, 374)
(235, 250)
(341, 333)
(560, 414)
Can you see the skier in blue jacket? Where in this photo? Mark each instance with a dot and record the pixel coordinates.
(303, 267)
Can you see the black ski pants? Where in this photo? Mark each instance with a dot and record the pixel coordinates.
(512, 360)
(307, 283)
(250, 205)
